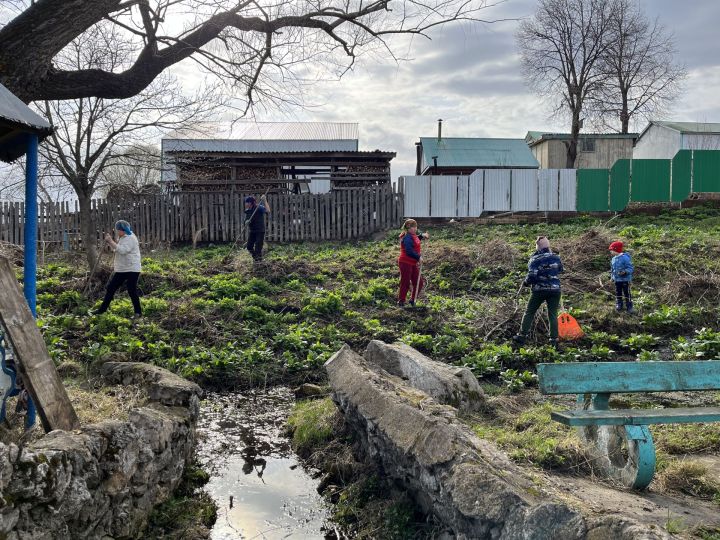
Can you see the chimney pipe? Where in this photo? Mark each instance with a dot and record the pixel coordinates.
(439, 129)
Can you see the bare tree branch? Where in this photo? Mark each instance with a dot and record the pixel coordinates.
(229, 32)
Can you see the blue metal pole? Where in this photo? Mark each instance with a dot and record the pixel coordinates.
(31, 233)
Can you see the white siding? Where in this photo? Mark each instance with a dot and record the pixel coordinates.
(497, 190)
(476, 183)
(463, 199)
(568, 190)
(658, 142)
(548, 186)
(417, 196)
(524, 196)
(699, 141)
(443, 196)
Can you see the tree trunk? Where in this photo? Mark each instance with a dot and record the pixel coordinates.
(624, 116)
(572, 145)
(88, 231)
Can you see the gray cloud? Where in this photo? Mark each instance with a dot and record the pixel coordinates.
(470, 76)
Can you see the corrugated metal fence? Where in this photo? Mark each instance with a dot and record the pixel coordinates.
(648, 180)
(489, 190)
(553, 190)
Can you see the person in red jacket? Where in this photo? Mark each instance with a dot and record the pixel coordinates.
(409, 261)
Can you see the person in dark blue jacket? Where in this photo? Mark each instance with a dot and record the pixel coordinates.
(543, 277)
(621, 272)
(255, 221)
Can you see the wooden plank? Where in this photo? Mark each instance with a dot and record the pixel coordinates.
(612, 377)
(637, 417)
(31, 356)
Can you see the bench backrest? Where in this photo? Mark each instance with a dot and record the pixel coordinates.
(612, 377)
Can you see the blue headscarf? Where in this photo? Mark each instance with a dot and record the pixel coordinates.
(124, 226)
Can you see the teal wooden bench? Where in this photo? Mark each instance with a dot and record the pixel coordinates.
(618, 440)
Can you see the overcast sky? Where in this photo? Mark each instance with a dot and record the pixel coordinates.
(469, 75)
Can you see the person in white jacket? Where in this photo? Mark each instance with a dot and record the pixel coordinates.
(127, 267)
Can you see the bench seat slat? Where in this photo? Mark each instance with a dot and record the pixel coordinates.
(637, 417)
(615, 377)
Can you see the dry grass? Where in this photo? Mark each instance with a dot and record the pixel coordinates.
(104, 403)
(691, 288)
(91, 405)
(690, 477)
(12, 252)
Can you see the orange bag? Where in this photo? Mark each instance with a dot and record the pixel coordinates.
(568, 327)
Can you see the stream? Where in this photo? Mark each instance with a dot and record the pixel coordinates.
(258, 483)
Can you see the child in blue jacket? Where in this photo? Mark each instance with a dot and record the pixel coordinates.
(621, 272)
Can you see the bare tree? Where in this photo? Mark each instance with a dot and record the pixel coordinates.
(261, 47)
(560, 48)
(134, 172)
(92, 135)
(642, 78)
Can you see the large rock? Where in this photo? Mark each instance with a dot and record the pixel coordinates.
(447, 384)
(102, 480)
(466, 482)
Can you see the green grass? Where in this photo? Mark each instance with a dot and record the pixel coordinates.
(311, 423)
(213, 317)
(532, 437)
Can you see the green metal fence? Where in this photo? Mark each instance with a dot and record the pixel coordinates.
(620, 185)
(593, 190)
(648, 180)
(681, 176)
(706, 170)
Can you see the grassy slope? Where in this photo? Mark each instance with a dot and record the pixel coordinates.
(211, 316)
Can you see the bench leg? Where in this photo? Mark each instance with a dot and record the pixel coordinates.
(625, 454)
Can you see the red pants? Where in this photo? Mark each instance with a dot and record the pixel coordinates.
(409, 274)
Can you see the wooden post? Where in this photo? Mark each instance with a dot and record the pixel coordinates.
(31, 356)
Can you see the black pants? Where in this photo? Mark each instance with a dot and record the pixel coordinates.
(118, 278)
(255, 244)
(622, 290)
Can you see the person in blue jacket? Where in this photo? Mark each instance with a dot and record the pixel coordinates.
(255, 222)
(621, 272)
(543, 277)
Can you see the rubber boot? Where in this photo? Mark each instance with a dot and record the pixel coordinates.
(630, 307)
(618, 306)
(519, 339)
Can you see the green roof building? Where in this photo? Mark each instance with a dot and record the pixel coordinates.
(458, 156)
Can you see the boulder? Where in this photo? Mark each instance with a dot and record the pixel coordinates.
(447, 384)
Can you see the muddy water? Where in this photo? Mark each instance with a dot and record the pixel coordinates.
(260, 487)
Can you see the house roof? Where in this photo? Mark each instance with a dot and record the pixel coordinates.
(688, 127)
(479, 153)
(264, 137)
(535, 137)
(254, 146)
(16, 121)
(269, 131)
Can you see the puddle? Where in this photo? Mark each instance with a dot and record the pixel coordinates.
(260, 487)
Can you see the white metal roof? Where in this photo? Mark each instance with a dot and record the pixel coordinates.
(257, 146)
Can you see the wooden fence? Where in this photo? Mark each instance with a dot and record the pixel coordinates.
(215, 217)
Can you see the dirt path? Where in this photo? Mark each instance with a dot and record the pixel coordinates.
(594, 499)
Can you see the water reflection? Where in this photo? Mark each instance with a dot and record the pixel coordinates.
(255, 478)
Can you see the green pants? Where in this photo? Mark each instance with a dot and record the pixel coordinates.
(536, 299)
